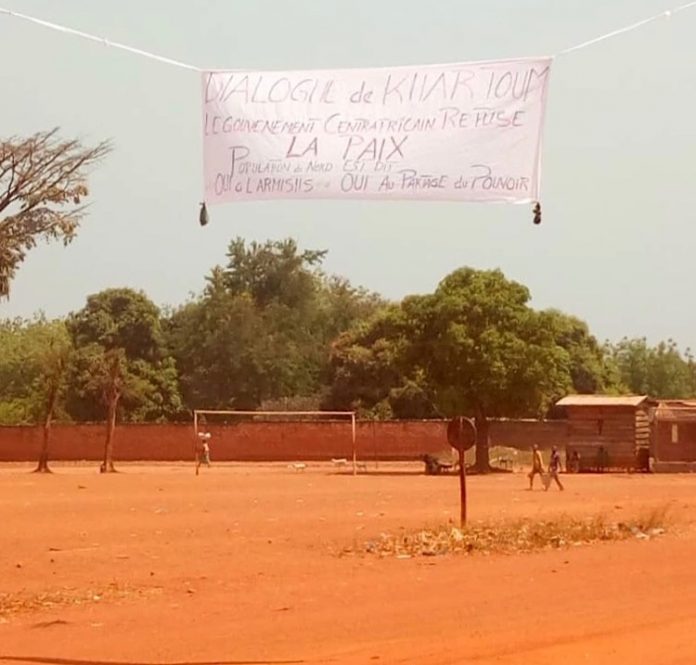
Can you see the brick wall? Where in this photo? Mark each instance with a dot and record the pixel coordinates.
(265, 441)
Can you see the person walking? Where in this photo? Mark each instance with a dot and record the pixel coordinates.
(537, 466)
(202, 450)
(555, 469)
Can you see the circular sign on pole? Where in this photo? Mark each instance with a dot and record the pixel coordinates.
(461, 433)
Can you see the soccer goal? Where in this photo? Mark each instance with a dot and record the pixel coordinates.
(201, 421)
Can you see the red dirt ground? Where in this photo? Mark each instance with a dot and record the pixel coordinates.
(239, 566)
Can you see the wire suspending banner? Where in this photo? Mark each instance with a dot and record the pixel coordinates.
(463, 132)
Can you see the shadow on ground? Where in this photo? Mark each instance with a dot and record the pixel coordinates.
(47, 660)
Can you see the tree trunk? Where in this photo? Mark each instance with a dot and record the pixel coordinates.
(48, 421)
(483, 464)
(43, 455)
(108, 463)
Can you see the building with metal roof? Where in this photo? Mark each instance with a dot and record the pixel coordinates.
(607, 432)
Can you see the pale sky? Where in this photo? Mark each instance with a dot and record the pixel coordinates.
(616, 246)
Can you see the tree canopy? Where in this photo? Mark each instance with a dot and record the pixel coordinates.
(660, 371)
(473, 347)
(43, 181)
(263, 327)
(272, 329)
(123, 324)
(33, 351)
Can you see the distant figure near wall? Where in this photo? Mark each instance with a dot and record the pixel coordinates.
(202, 450)
(537, 466)
(554, 469)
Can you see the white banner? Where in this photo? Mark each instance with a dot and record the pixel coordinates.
(463, 132)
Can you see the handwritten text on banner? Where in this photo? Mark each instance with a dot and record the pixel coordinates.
(468, 132)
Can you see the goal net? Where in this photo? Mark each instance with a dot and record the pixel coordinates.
(344, 439)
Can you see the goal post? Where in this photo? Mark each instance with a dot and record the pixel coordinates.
(199, 414)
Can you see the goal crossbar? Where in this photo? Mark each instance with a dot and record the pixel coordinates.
(232, 412)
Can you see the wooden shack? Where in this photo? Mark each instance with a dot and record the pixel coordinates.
(674, 435)
(606, 432)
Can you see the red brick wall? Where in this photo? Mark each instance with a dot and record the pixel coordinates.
(522, 434)
(265, 441)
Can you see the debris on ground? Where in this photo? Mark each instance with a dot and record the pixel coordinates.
(23, 602)
(505, 537)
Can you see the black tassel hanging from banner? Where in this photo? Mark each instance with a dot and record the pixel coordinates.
(537, 212)
(203, 218)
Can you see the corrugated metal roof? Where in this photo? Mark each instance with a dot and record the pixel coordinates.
(677, 403)
(676, 415)
(680, 410)
(602, 400)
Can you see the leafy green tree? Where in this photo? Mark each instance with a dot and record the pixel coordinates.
(102, 375)
(27, 348)
(589, 371)
(120, 363)
(54, 361)
(413, 399)
(43, 180)
(367, 370)
(473, 347)
(661, 371)
(221, 350)
(119, 318)
(262, 330)
(33, 363)
(19, 370)
(485, 351)
(275, 271)
(126, 320)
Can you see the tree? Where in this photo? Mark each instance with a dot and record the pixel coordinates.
(54, 363)
(34, 359)
(43, 180)
(473, 347)
(27, 351)
(120, 363)
(109, 377)
(275, 271)
(20, 341)
(485, 351)
(589, 371)
(660, 371)
(262, 330)
(102, 375)
(128, 320)
(120, 318)
(367, 372)
(218, 345)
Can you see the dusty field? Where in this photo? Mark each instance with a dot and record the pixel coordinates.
(239, 565)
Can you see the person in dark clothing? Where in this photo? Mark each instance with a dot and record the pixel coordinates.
(555, 468)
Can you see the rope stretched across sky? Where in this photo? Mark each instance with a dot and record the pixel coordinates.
(183, 65)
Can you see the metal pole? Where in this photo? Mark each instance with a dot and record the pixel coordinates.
(462, 487)
(355, 452)
(195, 438)
(461, 448)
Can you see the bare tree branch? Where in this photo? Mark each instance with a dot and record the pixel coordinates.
(43, 180)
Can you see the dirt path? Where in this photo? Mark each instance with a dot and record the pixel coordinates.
(239, 565)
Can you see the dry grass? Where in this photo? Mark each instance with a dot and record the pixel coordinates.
(19, 603)
(520, 536)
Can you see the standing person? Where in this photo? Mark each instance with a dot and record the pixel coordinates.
(537, 466)
(555, 469)
(202, 450)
